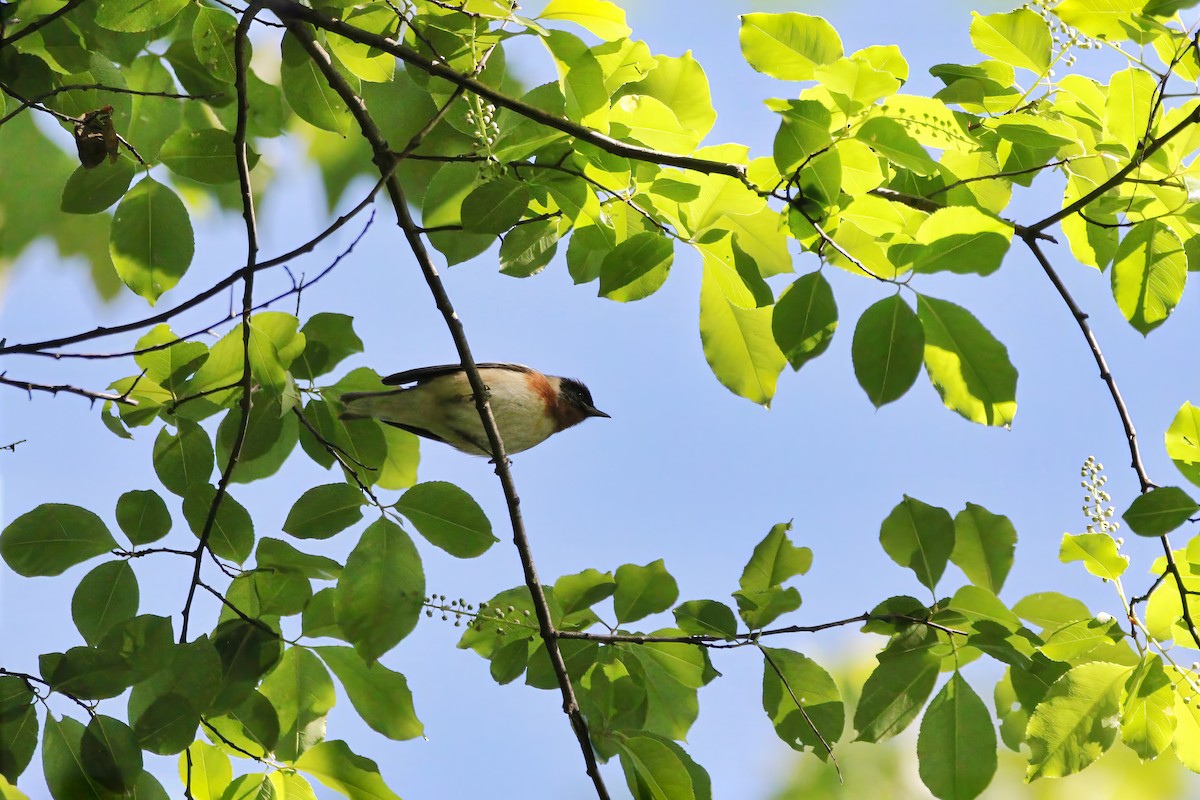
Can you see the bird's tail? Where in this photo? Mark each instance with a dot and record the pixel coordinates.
(368, 405)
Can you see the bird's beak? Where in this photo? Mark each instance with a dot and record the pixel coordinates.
(595, 412)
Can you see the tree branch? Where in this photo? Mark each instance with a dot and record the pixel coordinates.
(31, 387)
(385, 162)
(40, 23)
(243, 167)
(288, 10)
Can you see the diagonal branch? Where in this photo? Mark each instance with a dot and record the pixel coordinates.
(1119, 176)
(39, 348)
(384, 160)
(290, 11)
(40, 23)
(1106, 375)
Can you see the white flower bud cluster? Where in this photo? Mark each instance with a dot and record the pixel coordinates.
(1097, 503)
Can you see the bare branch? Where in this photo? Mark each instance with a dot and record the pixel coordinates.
(32, 387)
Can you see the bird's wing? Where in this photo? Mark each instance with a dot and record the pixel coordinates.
(422, 374)
(413, 429)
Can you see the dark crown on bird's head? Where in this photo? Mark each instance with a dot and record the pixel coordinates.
(575, 393)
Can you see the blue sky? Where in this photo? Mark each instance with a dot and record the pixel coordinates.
(683, 471)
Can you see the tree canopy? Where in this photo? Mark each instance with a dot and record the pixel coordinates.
(123, 122)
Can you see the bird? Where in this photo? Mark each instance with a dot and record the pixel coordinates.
(437, 403)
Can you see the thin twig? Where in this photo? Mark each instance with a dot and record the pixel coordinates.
(240, 59)
(40, 23)
(40, 348)
(32, 387)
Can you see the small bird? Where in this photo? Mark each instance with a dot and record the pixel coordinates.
(528, 406)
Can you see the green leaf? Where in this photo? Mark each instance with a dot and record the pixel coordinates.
(1148, 709)
(761, 598)
(248, 651)
(144, 641)
(706, 618)
(805, 319)
(1101, 19)
(894, 694)
(309, 94)
(920, 537)
(637, 267)
(887, 350)
(18, 728)
(889, 138)
(803, 132)
(276, 554)
(336, 766)
(143, 516)
(657, 768)
(642, 591)
(739, 344)
(788, 46)
(495, 207)
(380, 592)
(52, 538)
(328, 339)
(527, 249)
(604, 19)
(66, 775)
(86, 673)
(1148, 275)
(963, 240)
(90, 191)
(1097, 551)
(1072, 726)
(448, 517)
(152, 119)
(106, 595)
(1160, 511)
(802, 701)
(151, 242)
(399, 470)
(253, 726)
(302, 693)
(774, 560)
(380, 696)
(583, 589)
(967, 366)
(364, 61)
(984, 546)
(1183, 441)
(271, 436)
(323, 511)
(206, 155)
(205, 770)
(232, 533)
(957, 744)
(213, 35)
(132, 16)
(110, 754)
(184, 459)
(1020, 38)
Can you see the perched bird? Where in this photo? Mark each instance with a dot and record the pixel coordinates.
(439, 405)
